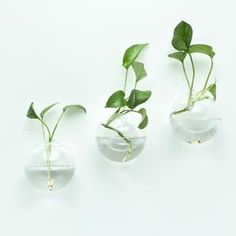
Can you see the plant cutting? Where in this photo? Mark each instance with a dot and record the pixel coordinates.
(42, 165)
(126, 102)
(185, 49)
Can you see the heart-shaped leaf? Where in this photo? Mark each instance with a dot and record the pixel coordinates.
(202, 48)
(139, 70)
(31, 112)
(144, 120)
(182, 36)
(45, 110)
(180, 56)
(74, 106)
(138, 97)
(131, 54)
(117, 99)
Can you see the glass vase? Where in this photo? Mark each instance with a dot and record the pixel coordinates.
(50, 166)
(197, 124)
(122, 141)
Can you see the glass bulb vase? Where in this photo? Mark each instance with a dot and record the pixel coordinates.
(50, 166)
(197, 124)
(121, 140)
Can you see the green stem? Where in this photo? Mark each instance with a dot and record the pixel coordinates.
(179, 111)
(50, 179)
(55, 128)
(192, 82)
(185, 74)
(47, 145)
(45, 125)
(129, 152)
(126, 77)
(208, 76)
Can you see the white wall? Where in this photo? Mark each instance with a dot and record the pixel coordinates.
(71, 51)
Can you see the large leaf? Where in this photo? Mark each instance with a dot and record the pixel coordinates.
(138, 97)
(31, 112)
(74, 106)
(139, 70)
(45, 110)
(180, 56)
(144, 120)
(117, 99)
(212, 89)
(182, 36)
(131, 54)
(202, 48)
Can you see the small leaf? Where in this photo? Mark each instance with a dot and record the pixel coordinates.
(144, 120)
(117, 99)
(131, 54)
(180, 56)
(182, 36)
(138, 97)
(212, 89)
(31, 112)
(202, 48)
(45, 110)
(75, 106)
(139, 70)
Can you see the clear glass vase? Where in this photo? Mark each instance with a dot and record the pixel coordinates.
(198, 124)
(122, 141)
(50, 167)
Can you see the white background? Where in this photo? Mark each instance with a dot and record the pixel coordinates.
(71, 51)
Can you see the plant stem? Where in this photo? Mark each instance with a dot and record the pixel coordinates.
(126, 77)
(55, 128)
(50, 179)
(209, 74)
(192, 82)
(47, 145)
(129, 152)
(179, 111)
(45, 125)
(185, 74)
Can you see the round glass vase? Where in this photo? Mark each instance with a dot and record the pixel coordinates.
(50, 166)
(198, 124)
(122, 140)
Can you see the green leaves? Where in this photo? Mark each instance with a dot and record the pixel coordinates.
(131, 54)
(117, 99)
(74, 106)
(138, 97)
(202, 48)
(45, 110)
(31, 114)
(182, 36)
(144, 120)
(180, 56)
(182, 42)
(212, 89)
(139, 70)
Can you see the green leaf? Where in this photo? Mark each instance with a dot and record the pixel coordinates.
(131, 54)
(138, 97)
(139, 70)
(45, 110)
(144, 120)
(180, 56)
(212, 89)
(182, 36)
(31, 112)
(75, 106)
(202, 48)
(117, 99)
